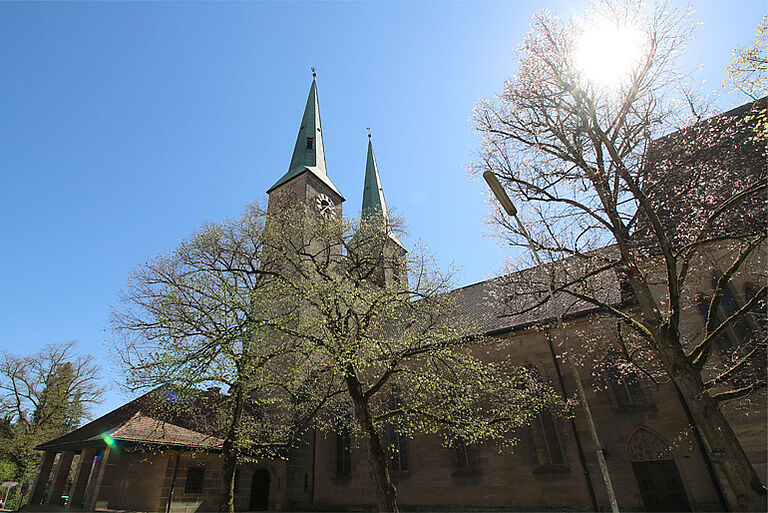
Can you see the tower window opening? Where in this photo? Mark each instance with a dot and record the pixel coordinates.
(310, 143)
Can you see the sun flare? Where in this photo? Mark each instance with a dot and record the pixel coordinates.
(607, 53)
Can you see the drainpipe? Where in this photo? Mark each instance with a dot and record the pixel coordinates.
(173, 483)
(582, 459)
(314, 463)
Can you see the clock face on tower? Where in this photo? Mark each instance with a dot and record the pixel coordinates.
(324, 205)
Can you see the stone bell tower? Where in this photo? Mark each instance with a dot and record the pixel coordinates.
(307, 182)
(376, 225)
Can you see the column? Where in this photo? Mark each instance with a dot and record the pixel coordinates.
(38, 489)
(60, 476)
(83, 472)
(94, 486)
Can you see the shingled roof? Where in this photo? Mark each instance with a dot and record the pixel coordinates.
(689, 173)
(519, 300)
(128, 424)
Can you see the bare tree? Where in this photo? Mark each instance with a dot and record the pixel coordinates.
(43, 396)
(671, 224)
(384, 324)
(199, 317)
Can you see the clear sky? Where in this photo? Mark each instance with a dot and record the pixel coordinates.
(125, 126)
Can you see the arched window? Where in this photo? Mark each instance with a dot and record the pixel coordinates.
(624, 384)
(343, 448)
(397, 440)
(545, 441)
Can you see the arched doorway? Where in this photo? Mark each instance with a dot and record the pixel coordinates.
(657, 477)
(260, 490)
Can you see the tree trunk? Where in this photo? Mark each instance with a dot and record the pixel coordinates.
(724, 446)
(229, 453)
(386, 494)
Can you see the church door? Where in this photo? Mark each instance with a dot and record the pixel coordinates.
(260, 490)
(660, 486)
(656, 472)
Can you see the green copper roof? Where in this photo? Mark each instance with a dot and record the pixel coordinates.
(309, 152)
(374, 205)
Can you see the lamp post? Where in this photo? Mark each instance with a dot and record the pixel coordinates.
(509, 208)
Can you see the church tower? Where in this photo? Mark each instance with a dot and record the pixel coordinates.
(306, 182)
(375, 220)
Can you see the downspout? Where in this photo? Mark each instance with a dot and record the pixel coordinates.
(704, 454)
(314, 464)
(173, 483)
(579, 448)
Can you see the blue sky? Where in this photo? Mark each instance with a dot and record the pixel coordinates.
(125, 126)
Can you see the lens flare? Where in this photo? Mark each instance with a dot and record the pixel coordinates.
(109, 440)
(608, 52)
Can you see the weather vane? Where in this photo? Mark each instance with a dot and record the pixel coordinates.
(314, 72)
(369, 131)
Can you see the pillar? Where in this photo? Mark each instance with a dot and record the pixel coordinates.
(94, 486)
(38, 489)
(60, 475)
(83, 472)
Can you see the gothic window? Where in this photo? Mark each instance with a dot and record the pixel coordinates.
(343, 452)
(736, 332)
(760, 311)
(194, 483)
(466, 455)
(625, 386)
(310, 143)
(545, 440)
(398, 441)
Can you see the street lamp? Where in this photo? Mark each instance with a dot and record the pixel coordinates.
(509, 208)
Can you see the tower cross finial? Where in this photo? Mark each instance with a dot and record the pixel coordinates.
(314, 72)
(369, 132)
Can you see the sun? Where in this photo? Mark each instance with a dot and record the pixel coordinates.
(607, 53)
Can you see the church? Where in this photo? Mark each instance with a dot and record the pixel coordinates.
(656, 461)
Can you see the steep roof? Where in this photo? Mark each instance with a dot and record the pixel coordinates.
(309, 151)
(374, 210)
(129, 424)
(689, 173)
(518, 300)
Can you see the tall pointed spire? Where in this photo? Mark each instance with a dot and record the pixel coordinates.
(309, 151)
(374, 212)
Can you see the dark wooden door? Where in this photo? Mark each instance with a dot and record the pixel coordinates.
(661, 486)
(260, 490)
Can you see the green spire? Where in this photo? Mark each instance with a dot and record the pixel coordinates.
(374, 212)
(309, 152)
